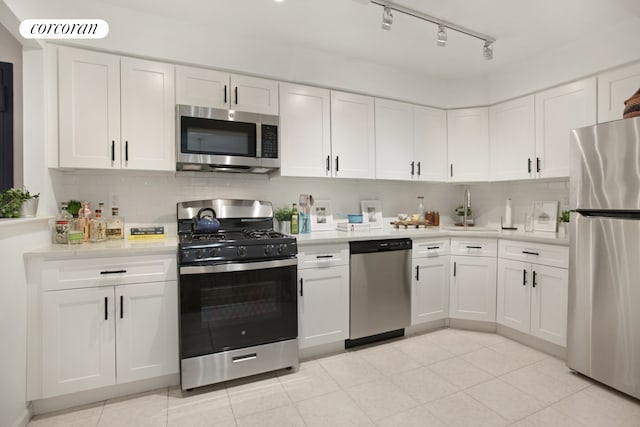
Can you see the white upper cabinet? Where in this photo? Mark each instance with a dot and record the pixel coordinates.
(512, 139)
(305, 131)
(468, 148)
(411, 142)
(394, 140)
(558, 111)
(209, 88)
(147, 115)
(89, 109)
(430, 143)
(115, 113)
(352, 135)
(615, 87)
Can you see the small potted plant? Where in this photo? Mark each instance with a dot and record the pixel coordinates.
(18, 202)
(283, 216)
(563, 222)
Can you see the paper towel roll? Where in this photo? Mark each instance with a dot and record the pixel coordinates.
(508, 214)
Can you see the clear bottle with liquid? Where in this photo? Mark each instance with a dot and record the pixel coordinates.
(420, 209)
(295, 219)
(115, 226)
(99, 229)
(85, 221)
(64, 222)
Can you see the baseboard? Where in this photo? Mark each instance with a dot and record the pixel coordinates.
(24, 418)
(473, 325)
(533, 342)
(319, 351)
(67, 401)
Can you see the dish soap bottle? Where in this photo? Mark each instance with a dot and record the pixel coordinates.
(295, 219)
(115, 226)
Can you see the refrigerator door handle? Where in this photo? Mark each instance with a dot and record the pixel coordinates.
(610, 213)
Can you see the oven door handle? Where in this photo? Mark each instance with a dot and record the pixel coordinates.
(237, 266)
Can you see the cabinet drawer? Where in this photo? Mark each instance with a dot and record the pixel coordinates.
(83, 272)
(323, 256)
(538, 253)
(430, 247)
(474, 246)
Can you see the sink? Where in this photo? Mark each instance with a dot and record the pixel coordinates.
(470, 229)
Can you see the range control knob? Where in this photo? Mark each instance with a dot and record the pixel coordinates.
(281, 248)
(242, 250)
(214, 252)
(198, 254)
(268, 249)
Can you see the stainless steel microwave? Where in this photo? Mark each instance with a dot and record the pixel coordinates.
(212, 139)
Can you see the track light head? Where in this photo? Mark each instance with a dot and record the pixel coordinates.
(487, 50)
(387, 19)
(442, 36)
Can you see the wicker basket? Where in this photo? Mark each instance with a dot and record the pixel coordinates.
(632, 106)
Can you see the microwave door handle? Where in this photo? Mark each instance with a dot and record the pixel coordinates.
(259, 140)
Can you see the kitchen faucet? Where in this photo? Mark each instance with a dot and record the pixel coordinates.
(466, 205)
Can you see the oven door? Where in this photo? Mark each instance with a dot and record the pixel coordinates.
(237, 305)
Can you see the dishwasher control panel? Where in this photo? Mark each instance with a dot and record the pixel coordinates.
(368, 246)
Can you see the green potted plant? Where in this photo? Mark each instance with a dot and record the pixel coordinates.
(283, 216)
(18, 202)
(563, 222)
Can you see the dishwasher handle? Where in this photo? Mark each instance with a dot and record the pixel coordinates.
(387, 245)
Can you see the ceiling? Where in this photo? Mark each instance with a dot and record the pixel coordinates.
(523, 28)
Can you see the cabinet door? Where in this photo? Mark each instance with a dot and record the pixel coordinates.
(614, 88)
(394, 140)
(353, 141)
(147, 330)
(89, 109)
(468, 148)
(323, 305)
(148, 115)
(473, 288)
(558, 111)
(202, 87)
(254, 95)
(78, 340)
(549, 304)
(430, 143)
(512, 139)
(430, 296)
(514, 294)
(305, 131)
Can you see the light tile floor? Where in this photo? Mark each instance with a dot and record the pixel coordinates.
(444, 378)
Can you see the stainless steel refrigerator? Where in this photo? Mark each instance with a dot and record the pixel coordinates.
(603, 325)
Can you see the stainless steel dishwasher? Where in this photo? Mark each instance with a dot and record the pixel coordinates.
(380, 290)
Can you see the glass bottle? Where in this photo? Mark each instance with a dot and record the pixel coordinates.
(295, 219)
(85, 221)
(64, 221)
(421, 208)
(115, 226)
(99, 229)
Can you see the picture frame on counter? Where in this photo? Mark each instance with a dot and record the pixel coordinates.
(321, 216)
(371, 213)
(545, 216)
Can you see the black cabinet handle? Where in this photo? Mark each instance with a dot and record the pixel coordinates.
(301, 286)
(337, 163)
(454, 269)
(534, 279)
(113, 271)
(413, 167)
(236, 94)
(524, 277)
(323, 256)
(474, 247)
(537, 164)
(531, 253)
(121, 307)
(113, 151)
(106, 310)
(328, 160)
(417, 273)
(529, 165)
(126, 151)
(418, 168)
(452, 170)
(433, 247)
(225, 94)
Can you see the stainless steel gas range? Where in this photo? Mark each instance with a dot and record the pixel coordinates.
(237, 285)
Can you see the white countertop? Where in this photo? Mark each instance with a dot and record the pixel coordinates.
(110, 248)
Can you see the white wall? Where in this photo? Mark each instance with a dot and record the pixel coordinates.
(11, 51)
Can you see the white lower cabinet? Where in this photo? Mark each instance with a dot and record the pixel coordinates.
(323, 295)
(532, 298)
(473, 279)
(430, 282)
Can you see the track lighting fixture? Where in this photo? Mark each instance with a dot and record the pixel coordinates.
(487, 50)
(387, 19)
(442, 36)
(443, 26)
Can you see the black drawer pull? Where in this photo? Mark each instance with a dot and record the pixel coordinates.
(474, 247)
(454, 269)
(418, 168)
(323, 256)
(524, 277)
(121, 307)
(529, 165)
(534, 279)
(433, 247)
(113, 271)
(106, 310)
(531, 253)
(413, 168)
(301, 286)
(225, 94)
(328, 167)
(417, 273)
